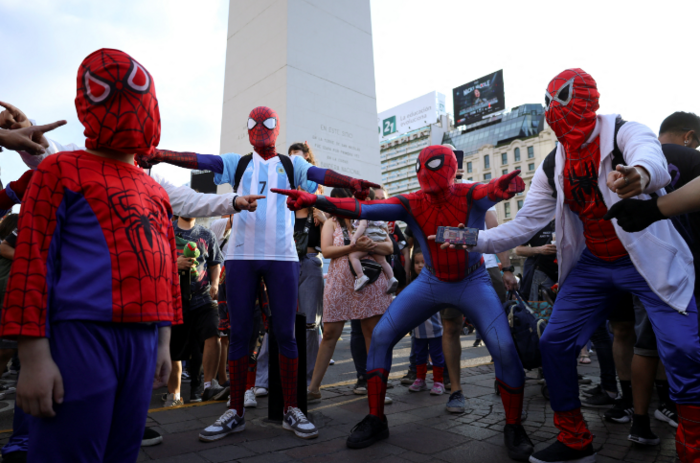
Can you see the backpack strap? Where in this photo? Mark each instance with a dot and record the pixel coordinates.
(617, 158)
(240, 169)
(548, 167)
(288, 168)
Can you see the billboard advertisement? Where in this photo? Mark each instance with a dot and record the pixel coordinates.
(412, 115)
(478, 98)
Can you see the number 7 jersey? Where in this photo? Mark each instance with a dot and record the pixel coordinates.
(267, 233)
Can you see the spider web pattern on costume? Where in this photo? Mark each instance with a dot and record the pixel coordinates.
(573, 120)
(582, 195)
(436, 182)
(262, 138)
(289, 368)
(133, 212)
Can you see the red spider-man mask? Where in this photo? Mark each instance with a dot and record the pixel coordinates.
(571, 102)
(117, 103)
(263, 128)
(436, 168)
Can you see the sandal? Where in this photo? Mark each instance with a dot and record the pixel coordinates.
(584, 360)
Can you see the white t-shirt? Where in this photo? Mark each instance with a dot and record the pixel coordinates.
(490, 260)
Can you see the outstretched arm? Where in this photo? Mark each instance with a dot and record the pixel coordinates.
(328, 177)
(385, 209)
(487, 195)
(185, 159)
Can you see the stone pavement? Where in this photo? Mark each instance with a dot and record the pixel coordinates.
(421, 430)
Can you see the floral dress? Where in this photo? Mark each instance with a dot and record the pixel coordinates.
(340, 300)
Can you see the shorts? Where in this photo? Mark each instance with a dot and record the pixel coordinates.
(224, 320)
(623, 310)
(198, 325)
(450, 313)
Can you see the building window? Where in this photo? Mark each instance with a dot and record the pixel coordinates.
(504, 171)
(506, 209)
(530, 152)
(517, 154)
(469, 167)
(504, 159)
(487, 177)
(531, 166)
(470, 179)
(520, 204)
(518, 168)
(487, 162)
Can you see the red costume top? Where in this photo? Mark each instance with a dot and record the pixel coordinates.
(440, 202)
(572, 100)
(95, 240)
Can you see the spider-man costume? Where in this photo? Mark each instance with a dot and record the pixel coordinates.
(598, 262)
(95, 270)
(449, 279)
(261, 247)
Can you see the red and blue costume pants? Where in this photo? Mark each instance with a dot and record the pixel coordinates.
(475, 297)
(242, 283)
(583, 303)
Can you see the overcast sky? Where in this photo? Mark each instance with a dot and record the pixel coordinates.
(644, 58)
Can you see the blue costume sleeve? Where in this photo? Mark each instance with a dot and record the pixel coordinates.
(386, 211)
(303, 171)
(227, 172)
(315, 174)
(210, 162)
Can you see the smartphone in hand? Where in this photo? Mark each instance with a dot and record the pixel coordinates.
(456, 235)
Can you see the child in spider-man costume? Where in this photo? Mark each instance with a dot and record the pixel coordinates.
(262, 246)
(89, 351)
(598, 260)
(449, 279)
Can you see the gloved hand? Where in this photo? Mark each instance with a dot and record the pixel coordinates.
(635, 215)
(506, 186)
(360, 188)
(297, 199)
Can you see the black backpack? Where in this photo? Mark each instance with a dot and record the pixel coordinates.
(549, 162)
(245, 160)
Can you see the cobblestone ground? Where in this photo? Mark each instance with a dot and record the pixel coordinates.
(421, 430)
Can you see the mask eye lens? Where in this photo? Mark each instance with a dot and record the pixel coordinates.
(564, 93)
(251, 124)
(547, 100)
(270, 123)
(417, 166)
(434, 163)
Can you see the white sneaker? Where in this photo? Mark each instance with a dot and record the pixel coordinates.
(294, 420)
(388, 400)
(361, 282)
(249, 399)
(228, 422)
(261, 391)
(392, 286)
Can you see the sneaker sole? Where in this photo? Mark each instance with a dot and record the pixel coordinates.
(392, 289)
(261, 395)
(151, 442)
(417, 390)
(436, 392)
(407, 382)
(583, 404)
(367, 443)
(661, 417)
(623, 420)
(588, 459)
(454, 409)
(311, 435)
(222, 435)
(223, 395)
(195, 401)
(251, 405)
(643, 441)
(358, 392)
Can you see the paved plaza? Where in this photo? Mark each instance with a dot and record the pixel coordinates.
(421, 430)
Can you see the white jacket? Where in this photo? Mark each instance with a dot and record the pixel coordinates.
(659, 253)
(184, 201)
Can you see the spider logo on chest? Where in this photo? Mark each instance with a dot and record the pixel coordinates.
(584, 186)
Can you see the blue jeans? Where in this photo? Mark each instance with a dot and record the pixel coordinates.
(583, 304)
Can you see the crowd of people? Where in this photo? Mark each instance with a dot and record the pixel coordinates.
(164, 289)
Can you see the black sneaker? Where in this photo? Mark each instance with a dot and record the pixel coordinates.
(641, 431)
(621, 413)
(602, 400)
(583, 380)
(409, 378)
(667, 413)
(151, 437)
(215, 392)
(560, 453)
(360, 387)
(15, 457)
(519, 446)
(595, 390)
(476, 343)
(368, 431)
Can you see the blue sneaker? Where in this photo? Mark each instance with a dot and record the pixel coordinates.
(457, 403)
(228, 422)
